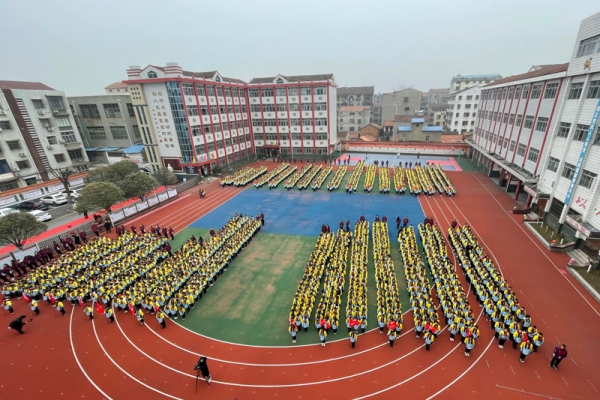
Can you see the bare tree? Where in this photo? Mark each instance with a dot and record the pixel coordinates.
(63, 174)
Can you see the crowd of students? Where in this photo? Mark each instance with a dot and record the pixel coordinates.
(267, 177)
(292, 180)
(389, 308)
(335, 182)
(452, 298)
(425, 316)
(399, 181)
(507, 317)
(318, 182)
(243, 176)
(308, 288)
(384, 180)
(414, 186)
(440, 180)
(276, 180)
(370, 178)
(308, 177)
(352, 183)
(356, 306)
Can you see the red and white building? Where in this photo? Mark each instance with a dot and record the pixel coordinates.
(198, 120)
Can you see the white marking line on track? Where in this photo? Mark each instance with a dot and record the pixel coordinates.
(538, 375)
(548, 355)
(593, 386)
(540, 249)
(572, 359)
(565, 381)
(513, 371)
(526, 392)
(77, 359)
(531, 304)
(123, 370)
(557, 339)
(544, 321)
(158, 209)
(488, 364)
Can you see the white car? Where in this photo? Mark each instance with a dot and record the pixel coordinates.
(74, 193)
(41, 215)
(5, 211)
(55, 199)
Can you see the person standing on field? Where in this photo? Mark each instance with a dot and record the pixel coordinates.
(560, 353)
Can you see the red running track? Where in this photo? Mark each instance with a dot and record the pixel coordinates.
(124, 360)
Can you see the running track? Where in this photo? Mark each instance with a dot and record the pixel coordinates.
(71, 357)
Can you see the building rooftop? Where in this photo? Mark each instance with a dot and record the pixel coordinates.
(545, 70)
(295, 78)
(409, 118)
(22, 85)
(354, 108)
(210, 75)
(452, 138)
(117, 85)
(438, 106)
(356, 90)
(487, 76)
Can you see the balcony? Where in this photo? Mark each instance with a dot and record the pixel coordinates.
(7, 176)
(73, 145)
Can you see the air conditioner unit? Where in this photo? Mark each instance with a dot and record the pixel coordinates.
(50, 128)
(2, 112)
(41, 112)
(55, 111)
(49, 147)
(17, 174)
(62, 141)
(22, 155)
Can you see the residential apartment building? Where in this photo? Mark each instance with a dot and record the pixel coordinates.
(436, 96)
(462, 110)
(355, 96)
(108, 127)
(38, 134)
(293, 115)
(402, 102)
(353, 118)
(437, 114)
(377, 111)
(462, 82)
(541, 128)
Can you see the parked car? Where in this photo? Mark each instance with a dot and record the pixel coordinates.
(31, 205)
(55, 199)
(74, 193)
(41, 215)
(5, 211)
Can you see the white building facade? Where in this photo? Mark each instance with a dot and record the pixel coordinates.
(541, 128)
(462, 110)
(293, 115)
(353, 118)
(39, 134)
(462, 82)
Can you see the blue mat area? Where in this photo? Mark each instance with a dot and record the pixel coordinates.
(303, 213)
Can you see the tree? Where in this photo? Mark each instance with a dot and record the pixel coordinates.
(99, 194)
(102, 174)
(16, 228)
(138, 185)
(62, 174)
(165, 177)
(122, 169)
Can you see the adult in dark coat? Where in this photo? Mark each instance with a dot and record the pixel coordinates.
(17, 324)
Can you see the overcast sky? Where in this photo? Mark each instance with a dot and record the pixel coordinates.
(82, 46)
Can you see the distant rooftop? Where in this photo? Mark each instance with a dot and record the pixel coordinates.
(22, 85)
(354, 108)
(117, 85)
(295, 78)
(356, 90)
(533, 73)
(487, 76)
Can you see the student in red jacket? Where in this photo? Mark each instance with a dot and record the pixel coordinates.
(560, 353)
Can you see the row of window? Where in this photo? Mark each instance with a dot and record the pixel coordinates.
(576, 90)
(210, 128)
(586, 180)
(117, 132)
(111, 110)
(294, 136)
(467, 106)
(291, 107)
(55, 103)
(211, 90)
(293, 122)
(67, 137)
(290, 91)
(192, 110)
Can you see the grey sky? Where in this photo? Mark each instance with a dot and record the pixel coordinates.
(82, 46)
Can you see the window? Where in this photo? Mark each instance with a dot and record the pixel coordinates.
(533, 155)
(587, 178)
(575, 91)
(52, 140)
(521, 149)
(267, 92)
(211, 91)
(96, 132)
(321, 106)
(192, 111)
(551, 90)
(136, 132)
(293, 91)
(528, 121)
(130, 110)
(200, 89)
(152, 74)
(60, 158)
(320, 90)
(14, 145)
(63, 121)
(536, 91)
(589, 46)
(459, 97)
(517, 92)
(553, 164)
(465, 114)
(305, 91)
(38, 104)
(406, 99)
(594, 90)
(5, 125)
(406, 108)
(541, 124)
(512, 145)
(254, 108)
(469, 97)
(23, 164)
(56, 102)
(89, 111)
(118, 132)
(505, 118)
(112, 110)
(467, 106)
(188, 89)
(68, 137)
(525, 92)
(519, 119)
(279, 92)
(568, 171)
(581, 132)
(306, 121)
(563, 130)
(511, 120)
(75, 155)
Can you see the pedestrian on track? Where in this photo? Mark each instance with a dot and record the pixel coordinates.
(526, 349)
(323, 336)
(560, 353)
(429, 339)
(353, 338)
(109, 314)
(160, 317)
(469, 345)
(392, 337)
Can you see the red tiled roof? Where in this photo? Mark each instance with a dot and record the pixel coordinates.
(353, 108)
(452, 138)
(545, 70)
(368, 138)
(22, 85)
(117, 85)
(388, 123)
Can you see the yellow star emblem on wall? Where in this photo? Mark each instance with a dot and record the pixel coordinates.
(587, 64)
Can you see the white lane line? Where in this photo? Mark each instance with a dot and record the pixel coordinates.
(593, 386)
(123, 370)
(77, 359)
(538, 375)
(541, 251)
(526, 392)
(486, 361)
(572, 359)
(565, 381)
(513, 371)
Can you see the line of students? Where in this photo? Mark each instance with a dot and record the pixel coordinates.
(292, 180)
(266, 178)
(352, 183)
(307, 179)
(507, 317)
(243, 176)
(318, 181)
(369, 178)
(356, 306)
(335, 182)
(399, 180)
